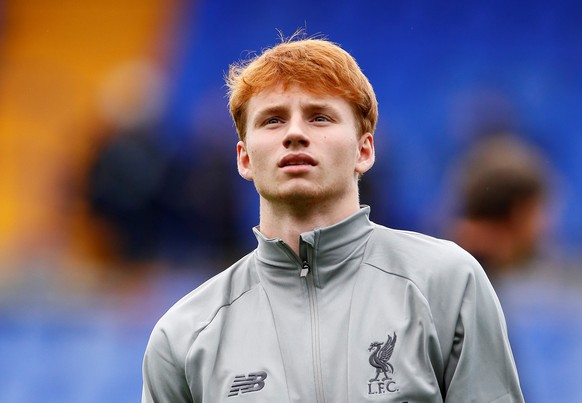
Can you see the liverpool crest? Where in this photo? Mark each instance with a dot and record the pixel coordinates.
(379, 359)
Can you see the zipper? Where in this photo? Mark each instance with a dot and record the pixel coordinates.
(307, 274)
(304, 270)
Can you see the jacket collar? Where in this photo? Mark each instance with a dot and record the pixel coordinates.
(322, 247)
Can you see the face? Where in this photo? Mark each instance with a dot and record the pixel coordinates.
(301, 147)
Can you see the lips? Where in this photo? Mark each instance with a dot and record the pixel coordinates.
(297, 159)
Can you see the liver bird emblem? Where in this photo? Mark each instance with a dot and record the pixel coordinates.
(381, 353)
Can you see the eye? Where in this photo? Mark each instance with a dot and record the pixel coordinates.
(272, 121)
(321, 118)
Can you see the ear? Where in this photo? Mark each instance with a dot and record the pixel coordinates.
(243, 161)
(366, 152)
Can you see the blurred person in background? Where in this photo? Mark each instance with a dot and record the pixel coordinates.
(504, 190)
(148, 194)
(128, 169)
(502, 208)
(330, 306)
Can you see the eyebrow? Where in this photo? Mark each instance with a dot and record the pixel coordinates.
(262, 114)
(317, 106)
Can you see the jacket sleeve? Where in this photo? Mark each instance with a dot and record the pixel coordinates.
(164, 378)
(481, 367)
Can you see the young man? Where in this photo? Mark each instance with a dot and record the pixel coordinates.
(330, 307)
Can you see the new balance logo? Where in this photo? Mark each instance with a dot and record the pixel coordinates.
(246, 384)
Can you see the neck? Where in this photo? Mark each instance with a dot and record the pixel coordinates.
(287, 221)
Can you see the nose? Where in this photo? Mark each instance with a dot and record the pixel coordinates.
(296, 134)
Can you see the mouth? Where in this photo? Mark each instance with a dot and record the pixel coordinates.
(292, 160)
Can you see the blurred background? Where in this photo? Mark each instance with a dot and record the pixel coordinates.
(118, 183)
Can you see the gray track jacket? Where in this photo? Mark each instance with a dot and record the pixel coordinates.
(363, 314)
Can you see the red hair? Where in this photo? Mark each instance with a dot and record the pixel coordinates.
(316, 65)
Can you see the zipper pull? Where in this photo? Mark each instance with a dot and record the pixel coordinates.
(304, 269)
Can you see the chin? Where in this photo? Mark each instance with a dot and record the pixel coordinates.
(300, 194)
(310, 201)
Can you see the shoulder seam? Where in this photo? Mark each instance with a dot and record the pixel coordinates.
(209, 321)
(397, 275)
